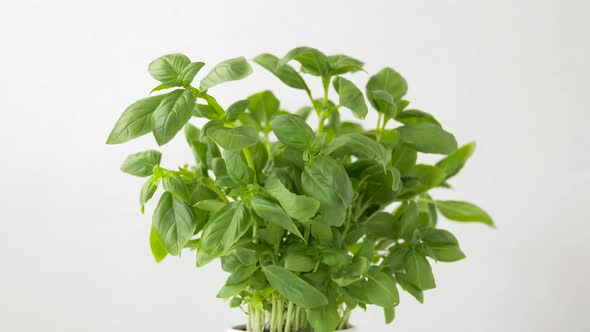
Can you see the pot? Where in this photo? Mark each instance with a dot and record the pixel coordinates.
(242, 328)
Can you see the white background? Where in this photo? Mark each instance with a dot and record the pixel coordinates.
(512, 75)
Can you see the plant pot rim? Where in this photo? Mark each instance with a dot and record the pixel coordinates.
(242, 328)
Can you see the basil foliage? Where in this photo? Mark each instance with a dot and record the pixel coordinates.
(316, 223)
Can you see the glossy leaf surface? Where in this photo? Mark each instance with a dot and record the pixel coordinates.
(142, 163)
(464, 212)
(228, 70)
(174, 223)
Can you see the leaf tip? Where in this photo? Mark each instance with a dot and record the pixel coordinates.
(111, 140)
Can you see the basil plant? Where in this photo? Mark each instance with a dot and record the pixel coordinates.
(309, 224)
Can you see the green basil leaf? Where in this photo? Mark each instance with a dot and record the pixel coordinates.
(189, 73)
(380, 185)
(200, 149)
(351, 97)
(418, 271)
(233, 139)
(427, 138)
(285, 73)
(384, 103)
(223, 231)
(324, 318)
(172, 114)
(395, 260)
(365, 250)
(161, 87)
(335, 257)
(304, 112)
(135, 121)
(199, 191)
(361, 146)
(403, 157)
(355, 293)
(212, 150)
(147, 192)
(387, 80)
(352, 273)
(203, 258)
(402, 280)
(464, 212)
(442, 245)
(210, 205)
(342, 64)
(218, 167)
(168, 68)
(420, 179)
(174, 184)
(322, 231)
(273, 213)
(360, 265)
(299, 262)
(326, 180)
(211, 101)
(174, 223)
(380, 289)
(389, 315)
(292, 131)
(221, 177)
(380, 225)
(455, 161)
(390, 137)
(142, 163)
(409, 216)
(430, 208)
(241, 274)
(258, 281)
(174, 69)
(231, 290)
(192, 134)
(263, 107)
(416, 116)
(205, 111)
(230, 263)
(288, 162)
(228, 70)
(158, 249)
(259, 154)
(318, 144)
(350, 128)
(328, 172)
(298, 207)
(272, 234)
(437, 237)
(237, 170)
(396, 182)
(235, 302)
(294, 288)
(235, 109)
(312, 61)
(332, 211)
(246, 256)
(402, 104)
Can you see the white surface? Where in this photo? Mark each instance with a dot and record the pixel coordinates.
(512, 75)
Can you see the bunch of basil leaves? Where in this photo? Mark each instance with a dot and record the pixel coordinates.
(301, 223)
